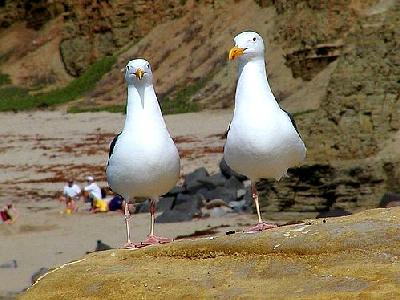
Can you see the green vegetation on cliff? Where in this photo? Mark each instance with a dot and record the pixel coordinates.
(180, 103)
(16, 99)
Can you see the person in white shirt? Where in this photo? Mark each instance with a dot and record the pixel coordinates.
(71, 191)
(93, 190)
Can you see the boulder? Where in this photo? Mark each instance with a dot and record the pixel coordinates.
(176, 190)
(184, 208)
(390, 200)
(221, 192)
(100, 246)
(163, 204)
(228, 172)
(142, 207)
(39, 273)
(234, 184)
(213, 181)
(351, 257)
(193, 180)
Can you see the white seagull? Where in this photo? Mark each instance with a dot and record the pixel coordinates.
(143, 159)
(262, 141)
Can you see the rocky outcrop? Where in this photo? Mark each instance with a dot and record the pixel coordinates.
(354, 257)
(315, 190)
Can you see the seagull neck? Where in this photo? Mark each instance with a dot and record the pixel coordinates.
(142, 103)
(253, 86)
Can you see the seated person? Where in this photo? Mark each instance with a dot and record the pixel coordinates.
(116, 203)
(70, 206)
(8, 214)
(71, 191)
(100, 205)
(93, 191)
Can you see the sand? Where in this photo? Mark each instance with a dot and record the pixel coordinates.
(40, 150)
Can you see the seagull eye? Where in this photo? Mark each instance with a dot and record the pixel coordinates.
(127, 67)
(254, 39)
(148, 66)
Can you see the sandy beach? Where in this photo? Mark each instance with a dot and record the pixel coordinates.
(40, 150)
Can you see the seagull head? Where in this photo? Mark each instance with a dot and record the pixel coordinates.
(138, 73)
(248, 45)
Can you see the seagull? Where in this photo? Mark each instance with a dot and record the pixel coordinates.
(263, 140)
(143, 159)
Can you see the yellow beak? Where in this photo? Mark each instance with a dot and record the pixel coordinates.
(139, 73)
(236, 52)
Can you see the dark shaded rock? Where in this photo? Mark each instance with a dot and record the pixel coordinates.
(12, 264)
(221, 192)
(228, 172)
(176, 190)
(173, 216)
(213, 181)
(142, 207)
(187, 202)
(239, 206)
(38, 274)
(202, 192)
(100, 246)
(193, 180)
(184, 208)
(233, 184)
(333, 213)
(241, 193)
(165, 203)
(390, 200)
(162, 205)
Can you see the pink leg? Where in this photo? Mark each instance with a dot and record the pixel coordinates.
(261, 225)
(151, 238)
(127, 215)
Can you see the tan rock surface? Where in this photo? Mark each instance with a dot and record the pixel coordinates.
(355, 257)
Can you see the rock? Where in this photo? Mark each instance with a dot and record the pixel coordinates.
(193, 180)
(12, 264)
(234, 184)
(351, 257)
(390, 200)
(165, 203)
(333, 213)
(215, 203)
(239, 206)
(173, 216)
(228, 172)
(100, 246)
(213, 181)
(221, 192)
(216, 212)
(176, 190)
(38, 274)
(241, 193)
(184, 208)
(142, 207)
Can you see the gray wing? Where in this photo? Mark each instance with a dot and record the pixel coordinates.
(292, 120)
(112, 145)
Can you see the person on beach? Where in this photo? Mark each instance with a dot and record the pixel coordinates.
(8, 214)
(116, 203)
(71, 191)
(92, 191)
(70, 206)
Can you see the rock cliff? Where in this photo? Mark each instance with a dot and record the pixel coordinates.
(342, 258)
